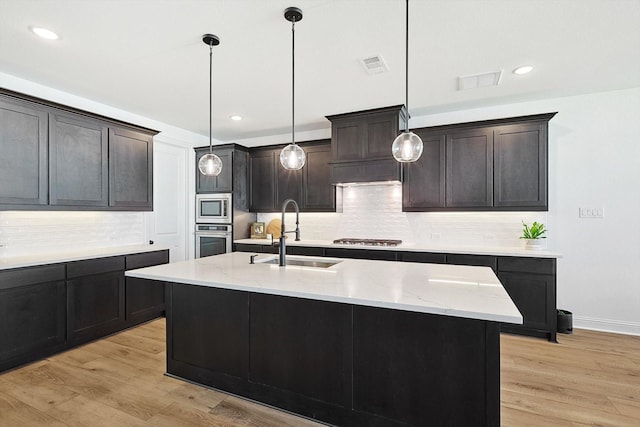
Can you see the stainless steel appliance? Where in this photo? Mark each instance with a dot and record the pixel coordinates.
(213, 239)
(367, 242)
(214, 208)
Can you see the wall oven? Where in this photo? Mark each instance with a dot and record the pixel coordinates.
(213, 239)
(214, 208)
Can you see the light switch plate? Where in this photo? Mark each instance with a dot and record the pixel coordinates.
(591, 212)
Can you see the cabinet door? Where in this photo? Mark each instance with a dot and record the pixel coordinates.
(95, 298)
(318, 194)
(263, 184)
(289, 186)
(130, 169)
(424, 179)
(78, 161)
(23, 153)
(520, 166)
(535, 297)
(382, 129)
(144, 299)
(347, 139)
(32, 313)
(222, 183)
(469, 174)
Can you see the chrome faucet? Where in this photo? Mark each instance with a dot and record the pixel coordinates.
(283, 246)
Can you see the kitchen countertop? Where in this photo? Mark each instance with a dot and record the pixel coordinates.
(475, 250)
(450, 290)
(74, 255)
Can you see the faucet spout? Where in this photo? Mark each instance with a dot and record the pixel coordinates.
(283, 249)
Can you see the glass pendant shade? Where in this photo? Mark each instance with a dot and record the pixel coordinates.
(292, 157)
(407, 147)
(210, 165)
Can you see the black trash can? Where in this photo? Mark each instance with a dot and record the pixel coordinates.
(565, 322)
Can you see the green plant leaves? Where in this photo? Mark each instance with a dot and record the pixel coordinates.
(536, 231)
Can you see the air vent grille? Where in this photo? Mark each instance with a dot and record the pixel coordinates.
(374, 64)
(479, 80)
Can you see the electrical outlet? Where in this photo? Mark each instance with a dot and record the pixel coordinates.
(591, 212)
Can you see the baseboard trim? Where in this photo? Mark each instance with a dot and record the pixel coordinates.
(606, 325)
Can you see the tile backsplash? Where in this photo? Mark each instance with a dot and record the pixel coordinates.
(375, 212)
(37, 232)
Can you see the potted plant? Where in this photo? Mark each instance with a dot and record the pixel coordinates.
(533, 235)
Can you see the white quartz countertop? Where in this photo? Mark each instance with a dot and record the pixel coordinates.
(475, 250)
(74, 255)
(451, 290)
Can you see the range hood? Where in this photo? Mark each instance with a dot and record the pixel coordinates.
(361, 146)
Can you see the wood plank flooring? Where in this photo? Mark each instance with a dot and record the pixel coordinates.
(588, 379)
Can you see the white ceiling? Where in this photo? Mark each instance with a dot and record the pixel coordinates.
(147, 57)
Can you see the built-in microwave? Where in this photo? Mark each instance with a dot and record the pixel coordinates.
(214, 208)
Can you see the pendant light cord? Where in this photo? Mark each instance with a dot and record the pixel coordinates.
(293, 79)
(210, 95)
(406, 69)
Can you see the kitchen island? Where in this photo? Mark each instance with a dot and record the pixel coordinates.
(352, 342)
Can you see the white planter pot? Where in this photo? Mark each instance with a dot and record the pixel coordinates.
(534, 244)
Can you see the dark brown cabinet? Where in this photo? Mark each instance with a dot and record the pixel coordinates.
(495, 165)
(54, 157)
(130, 169)
(144, 299)
(310, 187)
(23, 154)
(95, 298)
(78, 161)
(361, 145)
(531, 284)
(32, 313)
(222, 183)
(469, 173)
(50, 308)
(520, 166)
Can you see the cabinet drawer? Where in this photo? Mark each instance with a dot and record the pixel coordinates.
(477, 260)
(527, 265)
(425, 257)
(305, 250)
(381, 255)
(31, 275)
(146, 259)
(94, 266)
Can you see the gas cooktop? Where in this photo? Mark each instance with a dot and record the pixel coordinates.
(367, 242)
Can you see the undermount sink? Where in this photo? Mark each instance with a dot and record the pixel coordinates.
(300, 262)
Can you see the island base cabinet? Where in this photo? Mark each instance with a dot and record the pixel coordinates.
(144, 299)
(338, 363)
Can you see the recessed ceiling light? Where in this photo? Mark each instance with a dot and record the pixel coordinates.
(44, 33)
(235, 118)
(523, 70)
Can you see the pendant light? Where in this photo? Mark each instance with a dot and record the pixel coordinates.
(210, 164)
(292, 156)
(407, 147)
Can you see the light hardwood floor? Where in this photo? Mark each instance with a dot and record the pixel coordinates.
(588, 379)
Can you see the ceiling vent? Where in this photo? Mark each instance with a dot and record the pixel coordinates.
(479, 80)
(374, 64)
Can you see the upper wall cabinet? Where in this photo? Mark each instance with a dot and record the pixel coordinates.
(497, 165)
(271, 184)
(233, 177)
(78, 161)
(130, 169)
(23, 153)
(56, 157)
(361, 145)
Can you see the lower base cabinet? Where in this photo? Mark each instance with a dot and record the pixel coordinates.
(338, 363)
(32, 313)
(50, 308)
